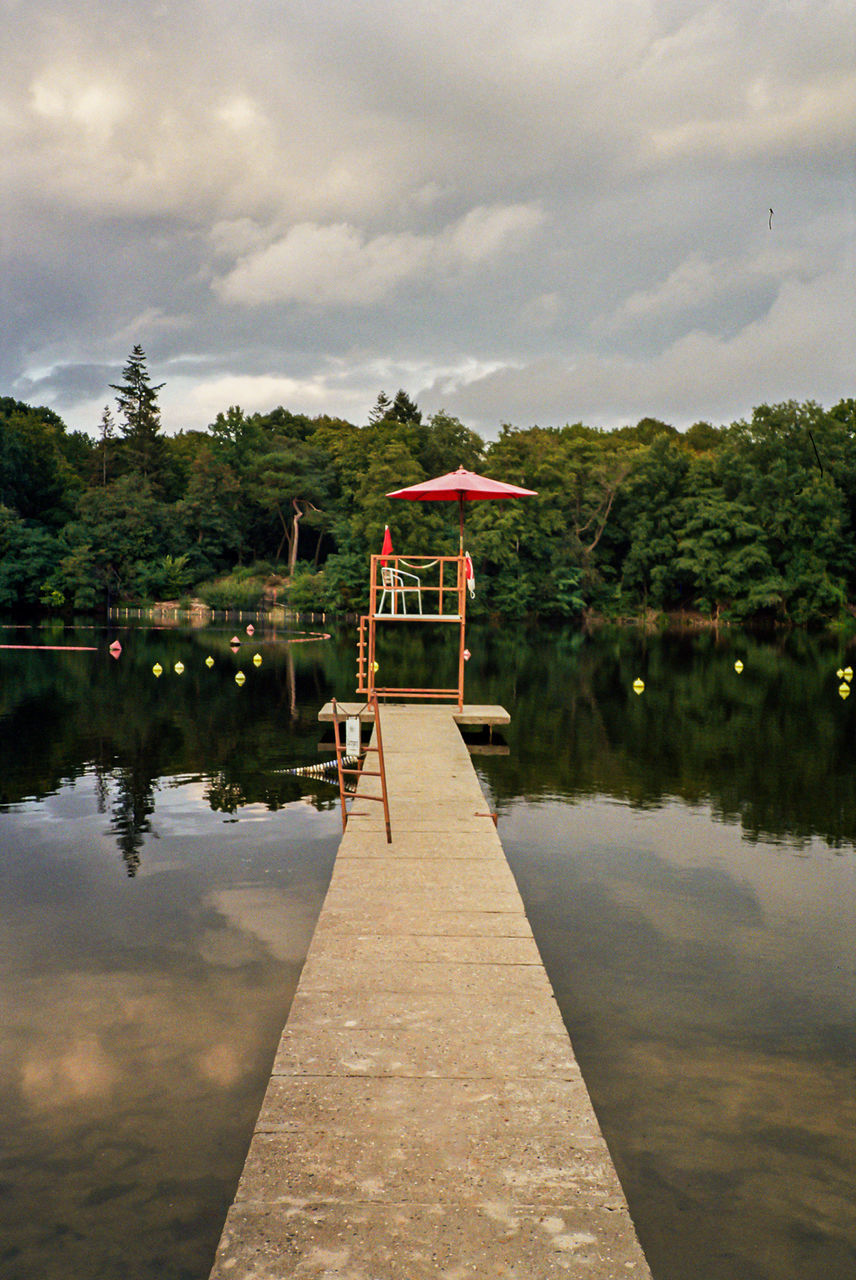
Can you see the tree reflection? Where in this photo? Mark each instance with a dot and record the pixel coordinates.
(130, 814)
(699, 731)
(224, 795)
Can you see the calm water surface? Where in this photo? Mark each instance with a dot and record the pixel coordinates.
(686, 858)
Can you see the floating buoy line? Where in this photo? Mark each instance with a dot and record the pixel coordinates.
(70, 648)
(298, 637)
(844, 674)
(320, 770)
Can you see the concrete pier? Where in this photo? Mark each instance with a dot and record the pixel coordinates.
(425, 1115)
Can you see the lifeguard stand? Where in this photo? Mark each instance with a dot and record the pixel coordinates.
(412, 590)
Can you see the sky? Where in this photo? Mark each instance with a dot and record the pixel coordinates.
(527, 212)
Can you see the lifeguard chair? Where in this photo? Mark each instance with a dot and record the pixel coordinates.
(413, 589)
(395, 587)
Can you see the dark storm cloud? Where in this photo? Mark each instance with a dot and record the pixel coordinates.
(526, 212)
(67, 384)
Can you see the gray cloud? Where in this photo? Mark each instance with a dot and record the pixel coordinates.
(531, 212)
(67, 384)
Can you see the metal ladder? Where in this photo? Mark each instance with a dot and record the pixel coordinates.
(360, 771)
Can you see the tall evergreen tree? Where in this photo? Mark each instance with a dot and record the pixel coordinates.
(139, 415)
(382, 408)
(405, 410)
(401, 409)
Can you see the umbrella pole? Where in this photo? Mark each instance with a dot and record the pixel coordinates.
(461, 513)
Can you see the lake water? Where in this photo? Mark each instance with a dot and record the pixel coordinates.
(686, 857)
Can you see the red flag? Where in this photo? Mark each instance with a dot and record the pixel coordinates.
(386, 549)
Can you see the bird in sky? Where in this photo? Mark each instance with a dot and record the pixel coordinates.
(771, 220)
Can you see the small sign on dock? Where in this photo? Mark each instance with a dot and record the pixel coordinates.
(352, 736)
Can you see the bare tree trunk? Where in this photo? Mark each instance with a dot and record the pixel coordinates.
(292, 684)
(298, 514)
(285, 536)
(292, 549)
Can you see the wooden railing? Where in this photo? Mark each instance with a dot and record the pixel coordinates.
(418, 588)
(412, 589)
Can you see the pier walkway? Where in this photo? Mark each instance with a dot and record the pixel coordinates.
(425, 1116)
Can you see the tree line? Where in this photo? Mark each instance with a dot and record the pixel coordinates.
(752, 520)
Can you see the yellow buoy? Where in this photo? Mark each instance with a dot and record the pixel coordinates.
(240, 677)
(257, 659)
(848, 674)
(844, 689)
(179, 667)
(638, 685)
(738, 666)
(375, 666)
(840, 673)
(157, 669)
(209, 661)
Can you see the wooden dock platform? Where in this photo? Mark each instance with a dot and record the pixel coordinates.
(469, 716)
(425, 1115)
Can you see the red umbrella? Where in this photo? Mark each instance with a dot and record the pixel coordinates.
(463, 485)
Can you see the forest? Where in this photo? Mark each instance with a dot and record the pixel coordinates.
(753, 521)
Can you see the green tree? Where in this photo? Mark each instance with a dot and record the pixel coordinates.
(289, 480)
(236, 437)
(400, 409)
(385, 469)
(36, 479)
(382, 408)
(107, 434)
(445, 443)
(650, 511)
(139, 417)
(28, 556)
(722, 550)
(769, 464)
(532, 545)
(212, 512)
(405, 410)
(701, 437)
(113, 546)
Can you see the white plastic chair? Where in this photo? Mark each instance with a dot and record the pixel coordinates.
(392, 581)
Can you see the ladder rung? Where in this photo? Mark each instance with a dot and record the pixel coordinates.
(354, 794)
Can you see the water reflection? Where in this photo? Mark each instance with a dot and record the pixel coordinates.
(139, 1023)
(686, 858)
(771, 748)
(141, 1014)
(707, 982)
